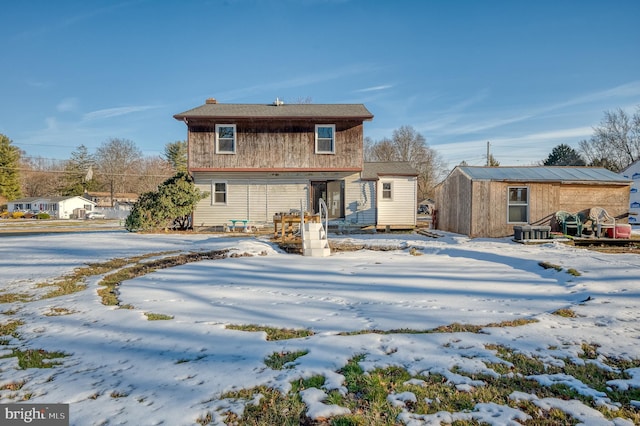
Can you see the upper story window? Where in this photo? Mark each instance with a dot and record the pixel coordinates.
(225, 138)
(325, 139)
(387, 191)
(518, 205)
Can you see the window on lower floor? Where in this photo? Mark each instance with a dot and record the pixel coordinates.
(219, 193)
(387, 191)
(518, 205)
(325, 139)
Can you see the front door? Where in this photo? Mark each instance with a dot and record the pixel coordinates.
(332, 192)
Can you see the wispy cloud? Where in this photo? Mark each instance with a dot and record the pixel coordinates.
(115, 112)
(67, 105)
(374, 88)
(299, 81)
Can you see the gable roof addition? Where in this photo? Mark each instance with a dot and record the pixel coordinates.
(373, 170)
(212, 110)
(543, 174)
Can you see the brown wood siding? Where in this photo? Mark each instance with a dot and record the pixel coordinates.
(544, 200)
(271, 144)
(453, 204)
(485, 215)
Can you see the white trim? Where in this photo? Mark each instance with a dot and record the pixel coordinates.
(333, 138)
(235, 139)
(382, 190)
(213, 192)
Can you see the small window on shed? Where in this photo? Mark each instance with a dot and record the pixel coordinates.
(518, 205)
(387, 191)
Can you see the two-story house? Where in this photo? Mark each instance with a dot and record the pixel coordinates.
(257, 160)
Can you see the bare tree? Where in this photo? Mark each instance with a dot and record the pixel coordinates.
(152, 171)
(117, 161)
(615, 142)
(40, 176)
(408, 145)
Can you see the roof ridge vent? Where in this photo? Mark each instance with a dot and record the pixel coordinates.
(278, 102)
(210, 101)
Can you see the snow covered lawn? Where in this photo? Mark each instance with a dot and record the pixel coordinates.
(122, 368)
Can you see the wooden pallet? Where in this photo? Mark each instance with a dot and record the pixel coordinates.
(428, 233)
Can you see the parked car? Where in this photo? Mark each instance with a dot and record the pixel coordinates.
(94, 215)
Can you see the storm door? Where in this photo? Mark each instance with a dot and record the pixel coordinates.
(332, 192)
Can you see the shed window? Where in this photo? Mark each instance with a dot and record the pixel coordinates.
(518, 205)
(387, 191)
(325, 139)
(219, 193)
(225, 138)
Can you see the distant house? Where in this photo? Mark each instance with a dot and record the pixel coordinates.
(121, 201)
(633, 172)
(70, 207)
(258, 160)
(489, 201)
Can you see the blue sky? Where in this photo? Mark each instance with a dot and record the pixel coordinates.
(523, 75)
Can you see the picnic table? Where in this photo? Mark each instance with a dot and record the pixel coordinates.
(244, 222)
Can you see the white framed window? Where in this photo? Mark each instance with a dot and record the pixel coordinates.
(225, 138)
(325, 139)
(218, 193)
(387, 191)
(518, 204)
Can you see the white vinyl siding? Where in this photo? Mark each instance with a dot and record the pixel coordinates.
(401, 208)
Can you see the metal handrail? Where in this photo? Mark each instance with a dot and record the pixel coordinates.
(323, 206)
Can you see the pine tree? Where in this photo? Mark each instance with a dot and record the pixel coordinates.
(9, 173)
(78, 176)
(564, 155)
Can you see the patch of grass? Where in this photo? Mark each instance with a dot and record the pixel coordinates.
(589, 350)
(75, 281)
(14, 297)
(279, 360)
(272, 408)
(157, 317)
(35, 358)
(565, 312)
(455, 327)
(272, 332)
(9, 328)
(56, 312)
(573, 272)
(547, 265)
(415, 252)
(118, 394)
(109, 294)
(13, 386)
(367, 393)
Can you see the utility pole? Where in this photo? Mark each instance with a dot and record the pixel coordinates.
(488, 153)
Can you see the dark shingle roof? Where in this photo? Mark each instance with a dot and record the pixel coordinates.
(543, 174)
(373, 170)
(284, 111)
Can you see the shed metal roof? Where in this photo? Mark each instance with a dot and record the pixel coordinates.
(543, 174)
(281, 111)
